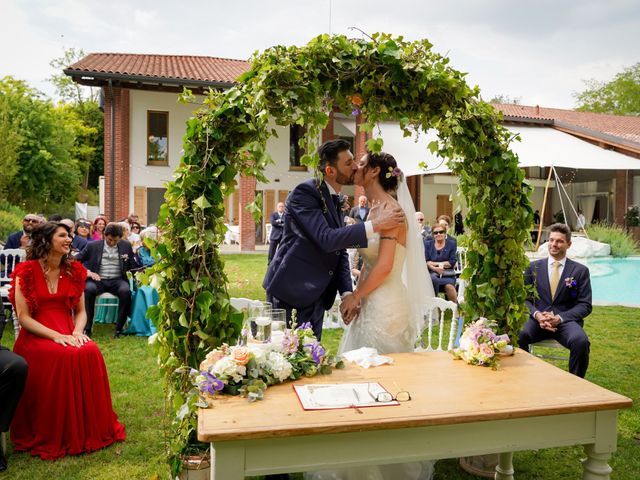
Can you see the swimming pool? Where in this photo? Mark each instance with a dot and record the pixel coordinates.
(615, 280)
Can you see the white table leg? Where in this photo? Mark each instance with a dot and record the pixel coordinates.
(504, 469)
(227, 463)
(595, 466)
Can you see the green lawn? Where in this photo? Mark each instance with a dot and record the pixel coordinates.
(138, 399)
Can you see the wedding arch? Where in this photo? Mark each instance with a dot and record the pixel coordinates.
(382, 78)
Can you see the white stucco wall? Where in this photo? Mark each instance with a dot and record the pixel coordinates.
(141, 101)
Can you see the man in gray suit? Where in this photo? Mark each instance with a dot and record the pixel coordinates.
(563, 301)
(361, 212)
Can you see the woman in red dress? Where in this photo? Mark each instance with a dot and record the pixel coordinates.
(66, 406)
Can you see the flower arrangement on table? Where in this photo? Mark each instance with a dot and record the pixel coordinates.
(249, 370)
(480, 345)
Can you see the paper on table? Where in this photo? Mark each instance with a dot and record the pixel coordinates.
(340, 395)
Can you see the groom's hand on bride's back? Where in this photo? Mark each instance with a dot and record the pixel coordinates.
(386, 216)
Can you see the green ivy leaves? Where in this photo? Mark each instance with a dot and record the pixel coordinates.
(384, 78)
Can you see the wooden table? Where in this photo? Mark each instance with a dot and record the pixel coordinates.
(456, 410)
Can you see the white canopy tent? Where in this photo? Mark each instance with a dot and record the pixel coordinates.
(539, 147)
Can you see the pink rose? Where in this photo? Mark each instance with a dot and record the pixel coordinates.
(241, 355)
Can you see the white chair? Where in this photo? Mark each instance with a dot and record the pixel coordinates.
(332, 317)
(232, 235)
(244, 304)
(267, 232)
(433, 313)
(549, 343)
(460, 265)
(9, 258)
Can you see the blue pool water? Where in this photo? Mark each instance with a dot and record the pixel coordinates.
(615, 280)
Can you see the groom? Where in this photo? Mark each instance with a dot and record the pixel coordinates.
(311, 263)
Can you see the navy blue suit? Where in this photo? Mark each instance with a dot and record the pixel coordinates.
(13, 241)
(78, 243)
(277, 228)
(91, 258)
(311, 264)
(573, 304)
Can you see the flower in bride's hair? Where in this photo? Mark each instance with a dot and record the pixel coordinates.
(393, 172)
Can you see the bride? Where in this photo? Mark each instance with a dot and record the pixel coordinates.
(389, 318)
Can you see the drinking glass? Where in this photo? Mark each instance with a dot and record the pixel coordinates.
(278, 319)
(261, 322)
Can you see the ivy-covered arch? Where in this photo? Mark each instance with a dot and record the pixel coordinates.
(384, 78)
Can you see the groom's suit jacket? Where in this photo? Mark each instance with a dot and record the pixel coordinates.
(571, 303)
(311, 263)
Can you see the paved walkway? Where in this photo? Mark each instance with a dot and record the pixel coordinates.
(235, 248)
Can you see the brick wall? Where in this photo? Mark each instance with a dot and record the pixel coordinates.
(116, 194)
(247, 193)
(623, 195)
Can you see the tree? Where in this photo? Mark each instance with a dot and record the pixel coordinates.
(9, 144)
(47, 176)
(82, 110)
(505, 99)
(620, 96)
(66, 88)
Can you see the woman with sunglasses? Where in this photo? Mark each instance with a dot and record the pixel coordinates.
(83, 229)
(440, 253)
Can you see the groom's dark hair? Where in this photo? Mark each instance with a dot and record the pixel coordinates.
(330, 150)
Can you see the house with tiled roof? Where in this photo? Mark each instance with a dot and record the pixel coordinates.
(144, 126)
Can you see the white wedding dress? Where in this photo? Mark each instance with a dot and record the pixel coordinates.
(389, 321)
(383, 322)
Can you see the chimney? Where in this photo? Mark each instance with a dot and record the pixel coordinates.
(537, 109)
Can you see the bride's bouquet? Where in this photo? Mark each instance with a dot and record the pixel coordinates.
(249, 370)
(479, 345)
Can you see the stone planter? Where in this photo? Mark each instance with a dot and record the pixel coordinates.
(196, 467)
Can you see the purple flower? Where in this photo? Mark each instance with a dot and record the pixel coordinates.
(304, 326)
(397, 172)
(211, 384)
(317, 351)
(355, 112)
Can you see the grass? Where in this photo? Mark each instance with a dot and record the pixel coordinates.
(137, 392)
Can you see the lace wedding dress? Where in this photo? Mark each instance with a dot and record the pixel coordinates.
(384, 319)
(390, 321)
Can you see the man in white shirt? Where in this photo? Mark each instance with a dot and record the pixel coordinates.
(563, 301)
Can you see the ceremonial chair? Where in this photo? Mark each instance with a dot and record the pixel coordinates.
(433, 314)
(9, 258)
(549, 343)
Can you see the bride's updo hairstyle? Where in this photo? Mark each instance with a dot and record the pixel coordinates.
(389, 171)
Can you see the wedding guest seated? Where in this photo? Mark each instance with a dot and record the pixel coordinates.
(13, 375)
(99, 224)
(134, 236)
(561, 302)
(83, 229)
(423, 227)
(78, 243)
(107, 262)
(145, 295)
(144, 254)
(20, 238)
(66, 406)
(441, 258)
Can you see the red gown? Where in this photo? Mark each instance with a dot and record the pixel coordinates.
(66, 405)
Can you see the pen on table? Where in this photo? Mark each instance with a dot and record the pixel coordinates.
(356, 394)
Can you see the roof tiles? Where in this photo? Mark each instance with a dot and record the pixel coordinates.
(623, 126)
(178, 67)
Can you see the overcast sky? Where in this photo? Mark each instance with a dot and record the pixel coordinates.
(537, 51)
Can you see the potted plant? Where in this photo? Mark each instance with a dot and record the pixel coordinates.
(632, 221)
